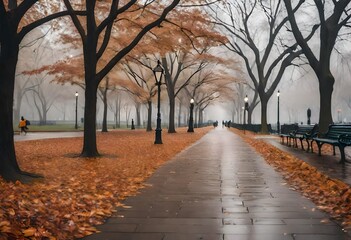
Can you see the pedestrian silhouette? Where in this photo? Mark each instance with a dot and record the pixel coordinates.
(23, 125)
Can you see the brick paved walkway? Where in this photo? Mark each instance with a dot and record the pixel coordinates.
(218, 189)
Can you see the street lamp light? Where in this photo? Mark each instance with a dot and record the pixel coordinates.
(158, 72)
(76, 125)
(278, 123)
(191, 118)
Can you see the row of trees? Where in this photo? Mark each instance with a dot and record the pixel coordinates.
(109, 34)
(94, 26)
(271, 36)
(188, 72)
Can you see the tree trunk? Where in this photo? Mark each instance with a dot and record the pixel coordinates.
(171, 127)
(9, 168)
(89, 143)
(179, 114)
(118, 113)
(104, 119)
(196, 120)
(200, 117)
(137, 111)
(149, 115)
(249, 115)
(326, 84)
(264, 127)
(45, 111)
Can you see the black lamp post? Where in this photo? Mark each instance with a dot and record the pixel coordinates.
(76, 125)
(246, 100)
(309, 116)
(191, 118)
(278, 123)
(158, 72)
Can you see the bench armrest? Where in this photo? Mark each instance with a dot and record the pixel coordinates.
(345, 139)
(292, 133)
(311, 135)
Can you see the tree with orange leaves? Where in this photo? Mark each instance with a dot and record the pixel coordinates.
(95, 30)
(16, 21)
(185, 50)
(140, 84)
(188, 55)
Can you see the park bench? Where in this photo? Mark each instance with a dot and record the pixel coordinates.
(285, 132)
(304, 132)
(337, 135)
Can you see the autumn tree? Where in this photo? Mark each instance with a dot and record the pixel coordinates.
(260, 44)
(212, 84)
(141, 83)
(191, 41)
(167, 42)
(102, 21)
(16, 21)
(333, 19)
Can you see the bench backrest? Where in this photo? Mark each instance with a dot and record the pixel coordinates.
(288, 128)
(335, 130)
(304, 129)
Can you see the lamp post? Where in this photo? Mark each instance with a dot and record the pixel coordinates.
(246, 100)
(191, 118)
(158, 72)
(278, 123)
(243, 119)
(309, 116)
(76, 125)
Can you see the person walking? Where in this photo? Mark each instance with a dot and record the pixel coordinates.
(23, 125)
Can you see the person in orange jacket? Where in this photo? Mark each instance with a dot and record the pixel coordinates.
(23, 125)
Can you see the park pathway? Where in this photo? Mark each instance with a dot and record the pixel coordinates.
(218, 189)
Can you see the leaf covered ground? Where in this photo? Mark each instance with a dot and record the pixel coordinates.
(330, 195)
(77, 193)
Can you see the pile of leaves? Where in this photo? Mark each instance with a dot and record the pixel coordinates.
(78, 193)
(331, 195)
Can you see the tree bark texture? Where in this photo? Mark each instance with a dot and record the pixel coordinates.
(171, 127)
(9, 168)
(149, 116)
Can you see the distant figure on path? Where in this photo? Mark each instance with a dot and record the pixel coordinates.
(23, 125)
(133, 127)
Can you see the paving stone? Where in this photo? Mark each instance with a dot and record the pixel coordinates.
(177, 236)
(126, 236)
(219, 188)
(254, 236)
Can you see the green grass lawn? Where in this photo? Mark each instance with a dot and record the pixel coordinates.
(59, 128)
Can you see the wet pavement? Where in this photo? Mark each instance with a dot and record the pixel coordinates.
(218, 189)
